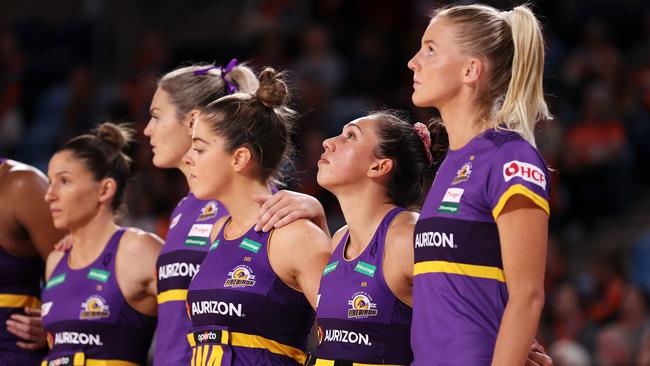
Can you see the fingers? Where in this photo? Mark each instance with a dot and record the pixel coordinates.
(33, 311)
(289, 218)
(266, 219)
(539, 359)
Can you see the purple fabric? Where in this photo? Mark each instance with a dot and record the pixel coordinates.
(173, 322)
(456, 317)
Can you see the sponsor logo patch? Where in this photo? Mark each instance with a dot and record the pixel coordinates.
(208, 336)
(77, 338)
(241, 276)
(451, 201)
(463, 174)
(330, 267)
(95, 307)
(250, 245)
(217, 307)
(528, 172)
(98, 275)
(55, 281)
(362, 306)
(366, 268)
(199, 235)
(434, 239)
(346, 336)
(45, 308)
(208, 211)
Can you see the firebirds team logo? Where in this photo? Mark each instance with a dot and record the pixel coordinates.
(241, 276)
(361, 306)
(463, 173)
(208, 211)
(95, 307)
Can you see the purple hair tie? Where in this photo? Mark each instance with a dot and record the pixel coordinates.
(224, 71)
(231, 65)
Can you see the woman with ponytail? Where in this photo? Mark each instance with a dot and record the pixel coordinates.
(99, 302)
(480, 241)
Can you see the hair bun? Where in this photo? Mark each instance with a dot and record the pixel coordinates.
(117, 135)
(273, 91)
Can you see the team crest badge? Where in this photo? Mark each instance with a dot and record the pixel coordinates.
(95, 307)
(463, 174)
(361, 306)
(208, 211)
(241, 276)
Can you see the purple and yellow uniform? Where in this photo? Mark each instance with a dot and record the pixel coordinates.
(20, 280)
(360, 321)
(241, 311)
(180, 258)
(20, 287)
(86, 318)
(459, 287)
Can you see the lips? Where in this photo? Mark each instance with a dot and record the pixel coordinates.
(323, 160)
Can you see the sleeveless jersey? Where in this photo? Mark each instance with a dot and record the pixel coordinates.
(459, 288)
(180, 258)
(359, 318)
(242, 313)
(20, 282)
(87, 319)
(20, 279)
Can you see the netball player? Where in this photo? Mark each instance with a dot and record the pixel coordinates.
(480, 241)
(181, 95)
(99, 301)
(27, 236)
(250, 301)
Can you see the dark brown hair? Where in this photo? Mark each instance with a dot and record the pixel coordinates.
(412, 172)
(102, 152)
(261, 121)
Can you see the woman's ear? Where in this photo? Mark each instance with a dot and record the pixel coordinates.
(473, 71)
(107, 189)
(240, 158)
(380, 167)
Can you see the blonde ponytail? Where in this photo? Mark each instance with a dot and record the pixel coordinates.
(524, 105)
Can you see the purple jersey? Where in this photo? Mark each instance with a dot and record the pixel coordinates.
(242, 313)
(20, 281)
(87, 318)
(359, 318)
(459, 288)
(180, 258)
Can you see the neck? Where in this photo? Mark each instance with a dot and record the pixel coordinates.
(462, 121)
(238, 200)
(90, 238)
(185, 169)
(363, 210)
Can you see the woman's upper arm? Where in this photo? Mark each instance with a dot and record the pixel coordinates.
(523, 233)
(309, 249)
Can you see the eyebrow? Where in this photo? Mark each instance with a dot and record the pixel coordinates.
(198, 139)
(61, 172)
(151, 110)
(429, 41)
(352, 124)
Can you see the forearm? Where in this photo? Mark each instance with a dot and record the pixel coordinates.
(518, 329)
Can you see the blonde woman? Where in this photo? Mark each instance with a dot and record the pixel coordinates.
(480, 241)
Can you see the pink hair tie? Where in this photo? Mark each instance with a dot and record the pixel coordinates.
(422, 131)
